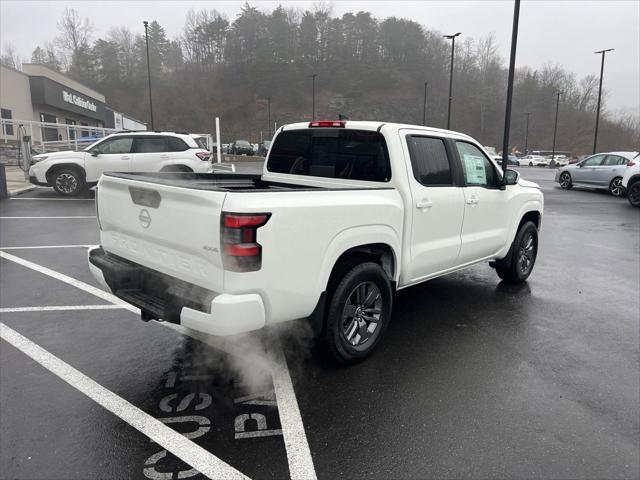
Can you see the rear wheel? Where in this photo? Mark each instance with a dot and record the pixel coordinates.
(67, 181)
(358, 314)
(565, 180)
(518, 264)
(633, 194)
(615, 187)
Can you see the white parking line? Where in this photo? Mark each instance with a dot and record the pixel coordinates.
(174, 442)
(59, 308)
(46, 246)
(56, 199)
(296, 444)
(45, 218)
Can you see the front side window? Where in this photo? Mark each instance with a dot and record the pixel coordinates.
(115, 146)
(331, 153)
(478, 170)
(429, 160)
(150, 145)
(593, 161)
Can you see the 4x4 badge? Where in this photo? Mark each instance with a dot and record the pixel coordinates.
(144, 218)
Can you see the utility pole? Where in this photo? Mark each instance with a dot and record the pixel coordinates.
(424, 106)
(526, 134)
(555, 127)
(269, 115)
(512, 68)
(595, 136)
(453, 47)
(146, 37)
(313, 96)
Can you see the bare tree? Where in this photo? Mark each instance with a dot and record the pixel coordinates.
(10, 57)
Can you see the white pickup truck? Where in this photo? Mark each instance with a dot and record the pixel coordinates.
(343, 215)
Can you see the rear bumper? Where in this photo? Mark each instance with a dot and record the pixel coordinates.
(159, 296)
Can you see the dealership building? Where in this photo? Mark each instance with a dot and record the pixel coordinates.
(39, 95)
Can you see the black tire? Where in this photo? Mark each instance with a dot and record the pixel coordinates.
(348, 334)
(567, 183)
(531, 164)
(633, 194)
(514, 268)
(68, 182)
(615, 187)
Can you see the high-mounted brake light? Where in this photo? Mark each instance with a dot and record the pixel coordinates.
(326, 123)
(203, 155)
(239, 232)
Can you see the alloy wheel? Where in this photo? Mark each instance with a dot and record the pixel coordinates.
(633, 194)
(66, 183)
(616, 188)
(526, 253)
(361, 314)
(565, 180)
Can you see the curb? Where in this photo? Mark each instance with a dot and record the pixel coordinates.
(20, 190)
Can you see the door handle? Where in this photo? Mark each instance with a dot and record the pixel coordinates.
(473, 200)
(164, 156)
(424, 203)
(125, 157)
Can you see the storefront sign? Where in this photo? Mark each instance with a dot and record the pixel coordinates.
(78, 100)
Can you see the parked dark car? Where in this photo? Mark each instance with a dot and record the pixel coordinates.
(263, 148)
(241, 147)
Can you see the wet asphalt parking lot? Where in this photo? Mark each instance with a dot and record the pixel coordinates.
(475, 378)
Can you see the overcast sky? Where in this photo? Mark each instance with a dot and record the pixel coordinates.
(562, 32)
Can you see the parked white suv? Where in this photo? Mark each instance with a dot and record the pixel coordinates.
(344, 214)
(631, 181)
(69, 172)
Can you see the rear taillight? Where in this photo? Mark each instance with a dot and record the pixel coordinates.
(326, 123)
(203, 156)
(240, 250)
(631, 163)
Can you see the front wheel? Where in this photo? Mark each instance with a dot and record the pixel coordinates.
(518, 264)
(67, 182)
(615, 187)
(565, 180)
(633, 194)
(358, 314)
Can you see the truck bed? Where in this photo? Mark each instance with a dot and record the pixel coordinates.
(222, 182)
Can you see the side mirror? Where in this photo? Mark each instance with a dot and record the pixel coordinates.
(511, 177)
(95, 152)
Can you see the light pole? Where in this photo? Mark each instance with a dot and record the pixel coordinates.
(526, 134)
(595, 136)
(424, 106)
(269, 115)
(453, 46)
(146, 37)
(313, 96)
(512, 68)
(555, 127)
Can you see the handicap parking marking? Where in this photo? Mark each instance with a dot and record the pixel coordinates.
(298, 454)
(172, 441)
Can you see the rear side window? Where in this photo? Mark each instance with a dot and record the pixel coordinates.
(614, 160)
(150, 145)
(429, 160)
(177, 145)
(331, 153)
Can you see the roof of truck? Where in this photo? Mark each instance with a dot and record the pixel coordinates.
(376, 126)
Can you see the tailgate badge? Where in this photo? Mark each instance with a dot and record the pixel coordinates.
(144, 218)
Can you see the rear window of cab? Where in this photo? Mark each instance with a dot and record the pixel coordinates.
(331, 153)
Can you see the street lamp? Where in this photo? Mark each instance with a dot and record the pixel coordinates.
(453, 46)
(595, 136)
(146, 37)
(555, 127)
(424, 106)
(269, 115)
(313, 96)
(526, 134)
(512, 68)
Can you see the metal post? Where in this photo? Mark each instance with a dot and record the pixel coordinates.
(512, 68)
(555, 127)
(453, 47)
(526, 134)
(424, 106)
(146, 37)
(218, 141)
(269, 115)
(313, 96)
(595, 136)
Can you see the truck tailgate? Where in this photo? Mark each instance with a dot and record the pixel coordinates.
(173, 230)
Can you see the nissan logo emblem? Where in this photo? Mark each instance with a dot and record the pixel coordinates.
(144, 218)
